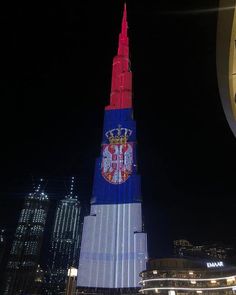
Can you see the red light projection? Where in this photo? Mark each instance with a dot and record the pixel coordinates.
(121, 85)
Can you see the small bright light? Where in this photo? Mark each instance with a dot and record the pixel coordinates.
(193, 282)
(154, 272)
(190, 273)
(229, 280)
(171, 292)
(156, 290)
(72, 272)
(199, 291)
(213, 281)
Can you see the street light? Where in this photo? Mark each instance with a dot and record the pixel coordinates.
(71, 281)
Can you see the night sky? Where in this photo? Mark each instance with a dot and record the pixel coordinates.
(56, 63)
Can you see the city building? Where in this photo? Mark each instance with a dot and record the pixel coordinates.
(184, 248)
(114, 247)
(226, 59)
(178, 276)
(3, 254)
(23, 270)
(65, 242)
(2, 246)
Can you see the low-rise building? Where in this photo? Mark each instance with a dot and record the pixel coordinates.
(177, 276)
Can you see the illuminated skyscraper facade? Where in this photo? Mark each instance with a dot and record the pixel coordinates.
(2, 246)
(64, 251)
(23, 264)
(114, 246)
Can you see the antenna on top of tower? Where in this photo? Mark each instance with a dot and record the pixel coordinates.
(38, 187)
(124, 22)
(72, 186)
(72, 189)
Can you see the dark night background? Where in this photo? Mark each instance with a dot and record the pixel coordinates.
(55, 82)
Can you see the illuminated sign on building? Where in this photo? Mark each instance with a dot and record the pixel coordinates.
(215, 264)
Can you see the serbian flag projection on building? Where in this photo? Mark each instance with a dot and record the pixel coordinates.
(114, 246)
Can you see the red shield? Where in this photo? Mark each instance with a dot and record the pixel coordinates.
(117, 160)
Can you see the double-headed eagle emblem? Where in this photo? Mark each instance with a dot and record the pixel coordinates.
(117, 156)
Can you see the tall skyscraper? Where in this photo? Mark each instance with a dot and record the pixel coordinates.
(3, 255)
(2, 246)
(114, 246)
(23, 264)
(64, 251)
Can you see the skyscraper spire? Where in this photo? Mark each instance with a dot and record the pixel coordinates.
(72, 188)
(123, 48)
(121, 85)
(39, 187)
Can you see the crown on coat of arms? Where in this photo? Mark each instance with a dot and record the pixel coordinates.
(118, 135)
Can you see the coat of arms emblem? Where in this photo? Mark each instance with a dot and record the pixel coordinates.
(117, 156)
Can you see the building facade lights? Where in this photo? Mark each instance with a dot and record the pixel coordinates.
(114, 245)
(65, 241)
(24, 256)
(174, 274)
